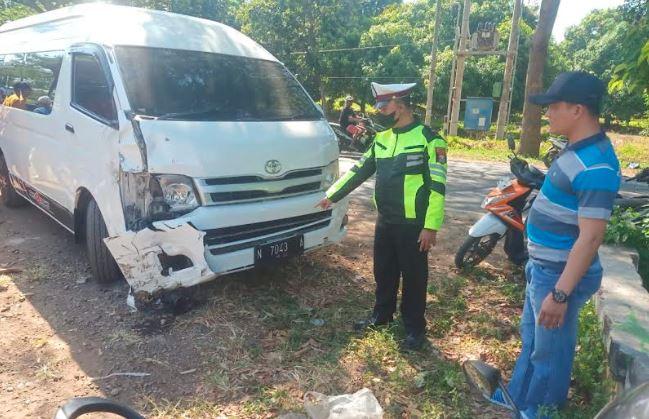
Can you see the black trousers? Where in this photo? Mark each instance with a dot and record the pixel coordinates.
(396, 254)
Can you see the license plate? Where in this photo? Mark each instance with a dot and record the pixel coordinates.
(279, 250)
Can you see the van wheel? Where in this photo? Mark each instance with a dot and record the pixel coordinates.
(104, 267)
(8, 195)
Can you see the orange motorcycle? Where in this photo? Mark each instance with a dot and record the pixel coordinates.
(505, 207)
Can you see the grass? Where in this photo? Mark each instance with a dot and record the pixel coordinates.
(486, 149)
(629, 149)
(271, 352)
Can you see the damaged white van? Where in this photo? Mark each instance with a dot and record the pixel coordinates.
(176, 147)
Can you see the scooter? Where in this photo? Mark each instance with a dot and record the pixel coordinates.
(505, 207)
(485, 379)
(370, 128)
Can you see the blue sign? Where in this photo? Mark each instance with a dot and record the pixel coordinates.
(477, 115)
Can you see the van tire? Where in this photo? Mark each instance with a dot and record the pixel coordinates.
(104, 267)
(8, 195)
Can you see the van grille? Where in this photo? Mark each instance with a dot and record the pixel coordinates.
(231, 190)
(229, 239)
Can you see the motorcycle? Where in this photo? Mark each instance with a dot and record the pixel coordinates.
(370, 128)
(361, 142)
(485, 379)
(505, 207)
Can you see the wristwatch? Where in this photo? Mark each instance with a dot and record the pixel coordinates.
(559, 296)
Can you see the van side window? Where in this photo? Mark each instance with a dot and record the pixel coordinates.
(41, 71)
(11, 71)
(90, 89)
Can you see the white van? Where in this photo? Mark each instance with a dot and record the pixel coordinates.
(176, 147)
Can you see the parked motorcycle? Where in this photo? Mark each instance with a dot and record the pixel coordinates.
(485, 379)
(345, 141)
(360, 143)
(364, 140)
(505, 206)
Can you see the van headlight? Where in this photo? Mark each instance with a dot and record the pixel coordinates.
(329, 175)
(178, 193)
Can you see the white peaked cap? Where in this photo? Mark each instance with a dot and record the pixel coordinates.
(383, 93)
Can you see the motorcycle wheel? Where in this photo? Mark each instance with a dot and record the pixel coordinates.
(474, 250)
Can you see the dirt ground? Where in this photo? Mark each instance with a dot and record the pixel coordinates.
(252, 343)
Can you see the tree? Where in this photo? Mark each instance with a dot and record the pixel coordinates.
(531, 129)
(633, 73)
(598, 44)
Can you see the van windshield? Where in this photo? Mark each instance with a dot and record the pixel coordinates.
(199, 86)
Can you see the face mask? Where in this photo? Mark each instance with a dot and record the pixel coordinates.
(388, 121)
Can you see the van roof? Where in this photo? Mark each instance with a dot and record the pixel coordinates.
(121, 25)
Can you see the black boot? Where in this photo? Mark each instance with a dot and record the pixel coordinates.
(414, 341)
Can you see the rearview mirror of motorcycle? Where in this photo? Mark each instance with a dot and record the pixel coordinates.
(511, 143)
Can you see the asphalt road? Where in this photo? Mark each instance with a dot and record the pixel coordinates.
(466, 186)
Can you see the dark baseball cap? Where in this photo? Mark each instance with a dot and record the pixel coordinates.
(576, 87)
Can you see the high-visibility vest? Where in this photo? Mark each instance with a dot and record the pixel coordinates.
(410, 166)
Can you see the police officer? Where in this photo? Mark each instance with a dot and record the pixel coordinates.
(409, 160)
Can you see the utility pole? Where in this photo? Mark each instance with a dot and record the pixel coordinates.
(451, 79)
(433, 62)
(459, 72)
(508, 79)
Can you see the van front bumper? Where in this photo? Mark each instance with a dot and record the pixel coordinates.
(216, 240)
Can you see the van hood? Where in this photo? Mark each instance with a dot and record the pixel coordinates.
(202, 149)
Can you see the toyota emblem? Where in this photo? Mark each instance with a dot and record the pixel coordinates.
(273, 167)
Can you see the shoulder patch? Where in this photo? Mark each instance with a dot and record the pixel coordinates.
(440, 155)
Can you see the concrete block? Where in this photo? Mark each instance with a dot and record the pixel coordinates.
(623, 307)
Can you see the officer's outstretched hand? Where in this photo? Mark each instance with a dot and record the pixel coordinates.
(324, 204)
(427, 239)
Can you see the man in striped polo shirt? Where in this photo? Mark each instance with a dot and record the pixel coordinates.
(565, 227)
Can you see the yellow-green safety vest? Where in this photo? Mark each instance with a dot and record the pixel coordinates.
(410, 166)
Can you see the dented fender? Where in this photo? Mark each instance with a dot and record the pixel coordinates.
(163, 258)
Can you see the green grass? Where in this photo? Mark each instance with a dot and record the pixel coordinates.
(486, 149)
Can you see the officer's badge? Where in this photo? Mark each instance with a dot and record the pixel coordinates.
(440, 154)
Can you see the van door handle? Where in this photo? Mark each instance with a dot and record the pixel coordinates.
(69, 127)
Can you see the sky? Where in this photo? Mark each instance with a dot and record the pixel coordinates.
(571, 12)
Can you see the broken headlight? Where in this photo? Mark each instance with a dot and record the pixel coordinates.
(178, 193)
(329, 175)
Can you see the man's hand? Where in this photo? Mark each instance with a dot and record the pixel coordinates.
(324, 204)
(552, 313)
(427, 239)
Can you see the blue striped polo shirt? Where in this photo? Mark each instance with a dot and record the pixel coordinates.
(582, 182)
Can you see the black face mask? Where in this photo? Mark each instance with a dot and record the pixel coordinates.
(388, 121)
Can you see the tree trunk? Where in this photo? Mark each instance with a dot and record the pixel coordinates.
(531, 130)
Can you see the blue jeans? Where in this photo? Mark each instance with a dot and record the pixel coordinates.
(541, 376)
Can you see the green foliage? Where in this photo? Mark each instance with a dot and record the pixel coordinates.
(598, 44)
(12, 13)
(633, 72)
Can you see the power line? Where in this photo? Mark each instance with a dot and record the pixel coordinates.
(370, 77)
(352, 49)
